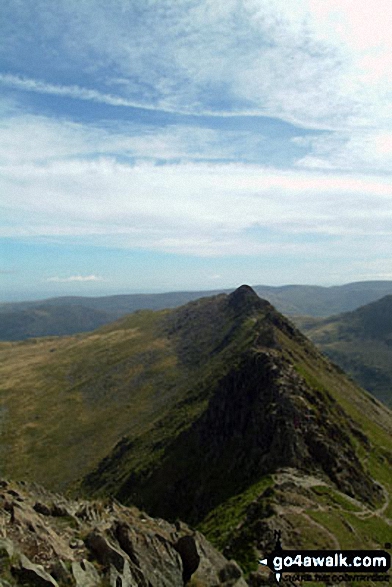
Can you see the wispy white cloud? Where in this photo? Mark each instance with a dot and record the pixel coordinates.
(193, 208)
(72, 91)
(73, 278)
(37, 139)
(321, 65)
(359, 150)
(318, 64)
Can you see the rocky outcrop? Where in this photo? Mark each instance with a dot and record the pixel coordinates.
(27, 573)
(48, 541)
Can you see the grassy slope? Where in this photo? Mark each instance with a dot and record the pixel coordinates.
(360, 343)
(67, 401)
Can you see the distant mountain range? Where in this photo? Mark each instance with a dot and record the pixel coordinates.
(219, 412)
(69, 315)
(360, 342)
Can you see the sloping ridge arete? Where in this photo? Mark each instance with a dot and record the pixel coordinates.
(263, 410)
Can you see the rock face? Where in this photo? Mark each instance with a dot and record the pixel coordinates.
(99, 543)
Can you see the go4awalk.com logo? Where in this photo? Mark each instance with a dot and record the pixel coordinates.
(337, 562)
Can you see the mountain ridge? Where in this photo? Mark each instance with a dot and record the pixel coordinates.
(267, 378)
(219, 412)
(71, 314)
(288, 398)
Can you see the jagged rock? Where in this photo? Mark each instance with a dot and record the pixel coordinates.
(126, 578)
(213, 564)
(105, 553)
(230, 572)
(154, 561)
(85, 574)
(42, 508)
(131, 548)
(30, 574)
(7, 549)
(125, 539)
(186, 547)
(61, 573)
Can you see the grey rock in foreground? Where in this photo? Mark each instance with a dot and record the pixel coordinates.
(48, 541)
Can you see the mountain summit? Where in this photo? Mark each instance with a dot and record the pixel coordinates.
(244, 298)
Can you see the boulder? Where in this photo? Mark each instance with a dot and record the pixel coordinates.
(7, 550)
(105, 552)
(186, 548)
(42, 508)
(154, 561)
(85, 574)
(32, 575)
(61, 573)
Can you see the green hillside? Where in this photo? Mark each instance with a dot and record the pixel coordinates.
(360, 342)
(219, 412)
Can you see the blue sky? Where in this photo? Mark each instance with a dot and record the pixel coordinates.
(193, 144)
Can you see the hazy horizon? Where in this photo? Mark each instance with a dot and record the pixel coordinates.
(15, 297)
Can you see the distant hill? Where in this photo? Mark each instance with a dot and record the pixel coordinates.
(219, 412)
(68, 315)
(323, 301)
(50, 319)
(360, 342)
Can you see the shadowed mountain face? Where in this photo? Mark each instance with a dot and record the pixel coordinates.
(360, 342)
(219, 412)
